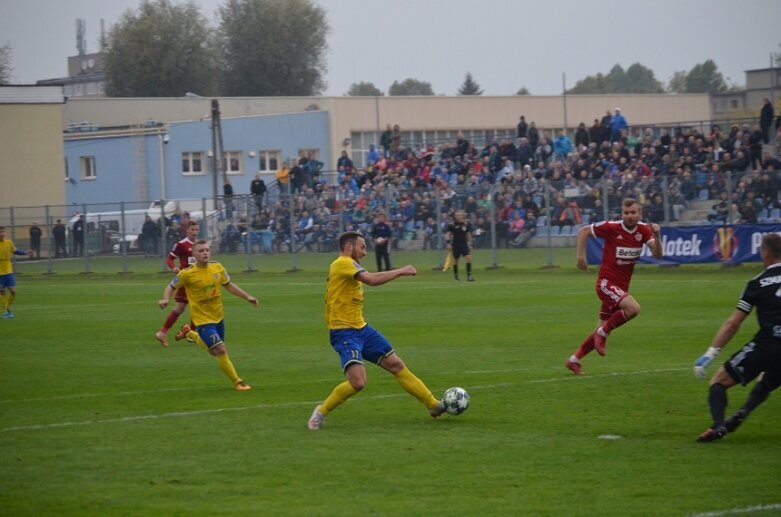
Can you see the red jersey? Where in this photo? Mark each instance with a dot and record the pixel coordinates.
(621, 251)
(183, 250)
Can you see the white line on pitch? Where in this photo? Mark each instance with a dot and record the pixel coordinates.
(283, 404)
(734, 511)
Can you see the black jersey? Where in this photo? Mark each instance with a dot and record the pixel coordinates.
(764, 292)
(459, 231)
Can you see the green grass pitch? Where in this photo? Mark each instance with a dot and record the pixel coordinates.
(98, 419)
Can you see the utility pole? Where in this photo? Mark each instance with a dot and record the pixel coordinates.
(216, 151)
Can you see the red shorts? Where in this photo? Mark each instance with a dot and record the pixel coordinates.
(611, 295)
(180, 296)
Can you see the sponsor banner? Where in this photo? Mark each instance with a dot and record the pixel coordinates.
(700, 245)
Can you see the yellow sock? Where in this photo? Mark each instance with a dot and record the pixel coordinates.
(416, 388)
(227, 368)
(338, 396)
(2, 301)
(193, 335)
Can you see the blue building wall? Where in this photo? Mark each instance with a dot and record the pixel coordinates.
(115, 158)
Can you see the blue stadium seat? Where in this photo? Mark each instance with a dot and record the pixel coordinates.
(566, 231)
(542, 220)
(586, 218)
(775, 215)
(702, 195)
(555, 231)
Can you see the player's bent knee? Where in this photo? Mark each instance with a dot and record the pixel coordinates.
(358, 384)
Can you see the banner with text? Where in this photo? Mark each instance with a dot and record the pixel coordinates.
(701, 245)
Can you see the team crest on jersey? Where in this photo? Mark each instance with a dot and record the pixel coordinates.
(638, 237)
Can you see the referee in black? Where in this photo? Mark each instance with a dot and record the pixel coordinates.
(761, 355)
(381, 236)
(459, 242)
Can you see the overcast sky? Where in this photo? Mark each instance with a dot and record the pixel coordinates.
(505, 44)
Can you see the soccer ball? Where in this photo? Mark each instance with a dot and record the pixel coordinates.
(456, 400)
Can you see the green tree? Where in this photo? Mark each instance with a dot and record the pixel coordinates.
(469, 86)
(364, 89)
(705, 78)
(6, 55)
(677, 83)
(163, 50)
(273, 47)
(523, 91)
(642, 80)
(635, 79)
(410, 87)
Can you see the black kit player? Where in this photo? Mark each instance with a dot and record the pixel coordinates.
(459, 243)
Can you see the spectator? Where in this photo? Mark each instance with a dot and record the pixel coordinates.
(346, 163)
(258, 187)
(59, 240)
(385, 140)
(149, 237)
(596, 133)
(522, 127)
(35, 240)
(618, 126)
(766, 119)
(562, 146)
(78, 236)
(227, 198)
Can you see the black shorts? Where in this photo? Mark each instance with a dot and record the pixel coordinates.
(460, 251)
(754, 358)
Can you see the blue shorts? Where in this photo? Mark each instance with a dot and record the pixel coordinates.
(212, 333)
(355, 345)
(7, 281)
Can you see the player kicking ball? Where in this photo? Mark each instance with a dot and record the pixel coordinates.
(203, 283)
(624, 242)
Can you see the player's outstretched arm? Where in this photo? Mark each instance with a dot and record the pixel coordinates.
(583, 234)
(167, 293)
(726, 332)
(241, 293)
(383, 277)
(656, 246)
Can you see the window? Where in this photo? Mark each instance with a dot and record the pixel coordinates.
(231, 162)
(87, 167)
(269, 160)
(312, 154)
(192, 163)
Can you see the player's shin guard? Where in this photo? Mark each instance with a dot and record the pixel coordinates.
(169, 321)
(338, 396)
(616, 320)
(227, 367)
(9, 299)
(585, 347)
(416, 388)
(717, 401)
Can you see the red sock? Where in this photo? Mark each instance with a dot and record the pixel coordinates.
(169, 321)
(585, 347)
(616, 320)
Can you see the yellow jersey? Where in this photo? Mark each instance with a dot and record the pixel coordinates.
(7, 249)
(203, 286)
(344, 295)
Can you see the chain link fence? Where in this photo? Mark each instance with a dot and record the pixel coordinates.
(525, 209)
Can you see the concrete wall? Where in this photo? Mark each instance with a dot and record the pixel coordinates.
(31, 156)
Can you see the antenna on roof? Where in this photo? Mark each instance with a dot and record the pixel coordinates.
(81, 36)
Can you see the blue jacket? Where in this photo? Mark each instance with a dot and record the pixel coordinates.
(562, 145)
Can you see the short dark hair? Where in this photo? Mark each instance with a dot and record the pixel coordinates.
(192, 223)
(771, 243)
(348, 237)
(629, 201)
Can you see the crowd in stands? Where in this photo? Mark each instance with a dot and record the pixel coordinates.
(597, 168)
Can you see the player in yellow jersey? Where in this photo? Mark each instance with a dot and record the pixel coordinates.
(203, 283)
(353, 339)
(7, 280)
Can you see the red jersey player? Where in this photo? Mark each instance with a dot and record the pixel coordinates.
(183, 252)
(623, 245)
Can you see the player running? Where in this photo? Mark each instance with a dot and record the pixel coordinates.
(7, 280)
(355, 340)
(183, 252)
(203, 283)
(623, 245)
